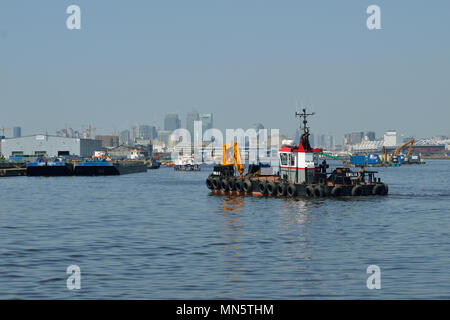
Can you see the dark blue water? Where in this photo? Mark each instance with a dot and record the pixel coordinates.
(161, 235)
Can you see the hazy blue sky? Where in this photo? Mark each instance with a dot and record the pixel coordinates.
(245, 61)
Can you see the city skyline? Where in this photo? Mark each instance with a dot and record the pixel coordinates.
(184, 56)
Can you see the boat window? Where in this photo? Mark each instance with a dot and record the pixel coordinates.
(316, 158)
(283, 158)
(292, 159)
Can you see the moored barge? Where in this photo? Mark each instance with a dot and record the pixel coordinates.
(49, 168)
(109, 168)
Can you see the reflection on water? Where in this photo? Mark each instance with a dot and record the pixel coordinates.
(232, 203)
(231, 250)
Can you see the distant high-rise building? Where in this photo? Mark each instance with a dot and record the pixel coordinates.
(144, 132)
(108, 141)
(390, 138)
(124, 137)
(163, 137)
(353, 138)
(171, 122)
(207, 121)
(258, 126)
(370, 136)
(17, 132)
(191, 117)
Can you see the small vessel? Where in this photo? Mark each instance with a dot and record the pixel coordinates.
(186, 163)
(152, 163)
(300, 174)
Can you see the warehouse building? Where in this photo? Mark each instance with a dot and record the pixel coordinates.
(49, 146)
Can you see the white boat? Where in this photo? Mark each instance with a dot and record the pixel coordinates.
(186, 163)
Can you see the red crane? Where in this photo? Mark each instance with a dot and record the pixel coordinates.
(3, 130)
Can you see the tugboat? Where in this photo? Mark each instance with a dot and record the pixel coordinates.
(300, 174)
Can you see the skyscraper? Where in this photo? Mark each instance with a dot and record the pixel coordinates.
(144, 132)
(207, 121)
(191, 117)
(171, 122)
(17, 132)
(125, 137)
(370, 136)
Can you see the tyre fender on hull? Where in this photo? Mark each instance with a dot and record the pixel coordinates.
(309, 191)
(209, 183)
(281, 189)
(319, 192)
(336, 191)
(272, 188)
(231, 184)
(262, 187)
(224, 184)
(247, 186)
(216, 183)
(379, 190)
(239, 185)
(291, 190)
(357, 191)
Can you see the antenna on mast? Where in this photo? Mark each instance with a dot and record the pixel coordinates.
(304, 115)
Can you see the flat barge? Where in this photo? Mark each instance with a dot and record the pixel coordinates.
(10, 169)
(59, 167)
(300, 174)
(49, 168)
(108, 168)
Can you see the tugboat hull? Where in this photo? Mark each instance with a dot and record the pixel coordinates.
(273, 186)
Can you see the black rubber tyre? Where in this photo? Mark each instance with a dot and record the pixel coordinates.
(209, 183)
(319, 192)
(379, 190)
(231, 184)
(247, 186)
(309, 192)
(216, 183)
(272, 188)
(291, 190)
(336, 191)
(281, 189)
(224, 184)
(262, 187)
(357, 191)
(239, 185)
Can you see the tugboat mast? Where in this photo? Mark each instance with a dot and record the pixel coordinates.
(304, 115)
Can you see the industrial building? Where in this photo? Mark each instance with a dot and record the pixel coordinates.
(49, 146)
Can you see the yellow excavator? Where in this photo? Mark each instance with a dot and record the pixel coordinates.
(231, 156)
(409, 142)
